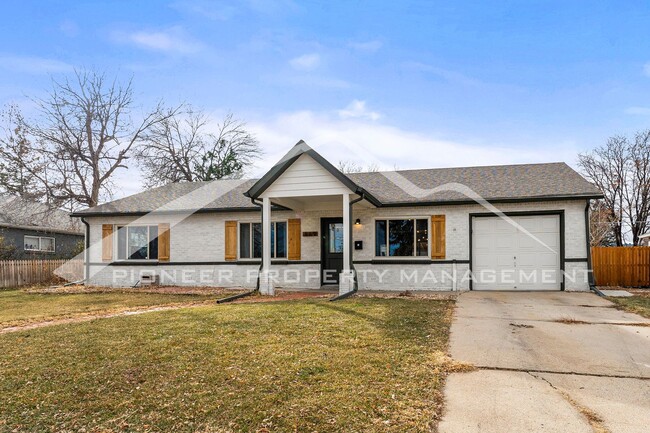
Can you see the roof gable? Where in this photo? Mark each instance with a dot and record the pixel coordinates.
(290, 176)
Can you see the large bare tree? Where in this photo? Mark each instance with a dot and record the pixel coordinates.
(19, 162)
(621, 170)
(86, 130)
(181, 148)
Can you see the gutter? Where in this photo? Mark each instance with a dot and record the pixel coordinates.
(86, 250)
(355, 286)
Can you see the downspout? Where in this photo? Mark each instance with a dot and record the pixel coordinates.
(355, 281)
(590, 271)
(257, 284)
(86, 250)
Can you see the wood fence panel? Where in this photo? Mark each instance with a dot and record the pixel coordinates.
(16, 273)
(621, 266)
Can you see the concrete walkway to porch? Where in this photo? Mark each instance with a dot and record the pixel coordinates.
(547, 362)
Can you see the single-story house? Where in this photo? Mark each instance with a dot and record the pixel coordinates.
(33, 230)
(305, 224)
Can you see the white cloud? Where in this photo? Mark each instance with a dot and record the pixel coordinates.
(643, 111)
(367, 46)
(387, 146)
(357, 110)
(646, 69)
(306, 62)
(172, 41)
(33, 65)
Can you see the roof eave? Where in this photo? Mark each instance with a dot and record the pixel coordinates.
(494, 200)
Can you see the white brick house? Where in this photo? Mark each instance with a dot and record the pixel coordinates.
(304, 224)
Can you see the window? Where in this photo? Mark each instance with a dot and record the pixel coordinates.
(39, 243)
(402, 238)
(137, 243)
(250, 240)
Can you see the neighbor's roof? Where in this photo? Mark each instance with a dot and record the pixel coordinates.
(19, 213)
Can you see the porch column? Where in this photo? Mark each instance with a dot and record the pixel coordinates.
(266, 284)
(346, 279)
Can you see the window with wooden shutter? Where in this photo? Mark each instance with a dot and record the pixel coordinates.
(231, 240)
(294, 239)
(438, 245)
(164, 242)
(107, 242)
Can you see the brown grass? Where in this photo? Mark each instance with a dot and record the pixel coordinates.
(358, 365)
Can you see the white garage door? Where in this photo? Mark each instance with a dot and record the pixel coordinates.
(507, 257)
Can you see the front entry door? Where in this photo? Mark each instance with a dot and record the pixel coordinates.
(331, 230)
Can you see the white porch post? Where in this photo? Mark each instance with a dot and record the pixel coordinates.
(346, 280)
(266, 284)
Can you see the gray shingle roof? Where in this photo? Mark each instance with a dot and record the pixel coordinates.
(499, 183)
(17, 212)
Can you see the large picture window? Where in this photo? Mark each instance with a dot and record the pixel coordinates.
(250, 240)
(137, 242)
(39, 243)
(402, 238)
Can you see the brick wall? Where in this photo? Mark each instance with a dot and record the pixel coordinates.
(200, 238)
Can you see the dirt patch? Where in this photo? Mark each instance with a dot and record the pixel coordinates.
(281, 295)
(170, 290)
(408, 294)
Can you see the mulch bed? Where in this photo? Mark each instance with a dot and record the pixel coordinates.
(170, 290)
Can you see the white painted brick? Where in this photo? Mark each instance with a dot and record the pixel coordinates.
(200, 237)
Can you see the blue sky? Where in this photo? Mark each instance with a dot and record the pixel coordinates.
(401, 84)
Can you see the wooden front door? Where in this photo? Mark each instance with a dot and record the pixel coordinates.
(331, 249)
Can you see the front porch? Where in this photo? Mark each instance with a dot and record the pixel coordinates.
(333, 239)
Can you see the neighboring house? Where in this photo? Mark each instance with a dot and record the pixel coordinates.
(32, 230)
(644, 240)
(313, 225)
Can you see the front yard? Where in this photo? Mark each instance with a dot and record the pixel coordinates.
(358, 365)
(639, 303)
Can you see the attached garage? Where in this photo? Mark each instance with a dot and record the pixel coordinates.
(521, 252)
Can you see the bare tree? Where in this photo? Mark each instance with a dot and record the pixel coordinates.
(621, 170)
(348, 166)
(18, 158)
(601, 221)
(86, 131)
(181, 149)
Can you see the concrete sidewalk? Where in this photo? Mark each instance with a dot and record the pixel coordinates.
(547, 362)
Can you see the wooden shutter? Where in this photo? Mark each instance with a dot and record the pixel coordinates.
(164, 242)
(231, 240)
(107, 242)
(438, 245)
(294, 239)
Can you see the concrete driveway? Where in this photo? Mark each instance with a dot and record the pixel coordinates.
(547, 362)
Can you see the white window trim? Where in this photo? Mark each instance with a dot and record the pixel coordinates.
(40, 249)
(116, 242)
(413, 257)
(257, 259)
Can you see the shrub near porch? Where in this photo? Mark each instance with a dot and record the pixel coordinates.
(357, 365)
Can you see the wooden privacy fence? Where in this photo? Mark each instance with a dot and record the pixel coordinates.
(621, 266)
(15, 273)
